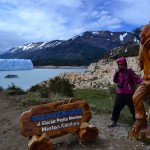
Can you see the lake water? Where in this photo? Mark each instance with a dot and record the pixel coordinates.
(28, 78)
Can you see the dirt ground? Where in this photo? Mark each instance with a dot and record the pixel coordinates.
(109, 139)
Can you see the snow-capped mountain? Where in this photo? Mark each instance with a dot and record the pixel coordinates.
(33, 46)
(79, 50)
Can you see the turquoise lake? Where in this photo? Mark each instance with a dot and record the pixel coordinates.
(28, 78)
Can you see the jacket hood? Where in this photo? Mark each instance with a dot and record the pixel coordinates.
(122, 59)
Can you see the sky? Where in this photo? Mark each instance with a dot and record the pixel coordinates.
(26, 21)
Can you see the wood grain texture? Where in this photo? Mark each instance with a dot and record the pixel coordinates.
(28, 127)
(88, 133)
(42, 142)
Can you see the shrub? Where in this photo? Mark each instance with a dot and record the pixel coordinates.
(44, 92)
(14, 90)
(34, 98)
(41, 89)
(55, 86)
(34, 88)
(61, 86)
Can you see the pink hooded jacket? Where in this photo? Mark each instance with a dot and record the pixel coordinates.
(125, 79)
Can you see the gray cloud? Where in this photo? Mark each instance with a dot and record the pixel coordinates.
(10, 39)
(132, 12)
(28, 21)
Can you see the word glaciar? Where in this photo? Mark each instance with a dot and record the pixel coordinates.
(48, 122)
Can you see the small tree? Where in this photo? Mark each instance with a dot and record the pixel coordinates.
(56, 85)
(15, 90)
(35, 88)
(61, 86)
(44, 92)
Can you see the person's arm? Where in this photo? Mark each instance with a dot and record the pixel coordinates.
(115, 78)
(135, 77)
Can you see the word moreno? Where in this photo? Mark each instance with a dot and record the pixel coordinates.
(58, 114)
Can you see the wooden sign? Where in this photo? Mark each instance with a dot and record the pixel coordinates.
(55, 119)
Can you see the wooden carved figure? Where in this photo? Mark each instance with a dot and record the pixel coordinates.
(143, 90)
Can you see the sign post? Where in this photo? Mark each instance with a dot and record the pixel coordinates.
(57, 119)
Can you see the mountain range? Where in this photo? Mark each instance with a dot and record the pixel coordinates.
(80, 50)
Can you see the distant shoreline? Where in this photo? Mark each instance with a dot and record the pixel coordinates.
(60, 67)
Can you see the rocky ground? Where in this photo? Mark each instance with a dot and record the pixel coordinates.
(109, 139)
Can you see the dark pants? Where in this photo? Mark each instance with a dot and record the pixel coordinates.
(120, 102)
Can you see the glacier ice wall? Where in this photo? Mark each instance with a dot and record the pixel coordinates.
(15, 64)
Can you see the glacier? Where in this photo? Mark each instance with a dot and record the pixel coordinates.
(15, 64)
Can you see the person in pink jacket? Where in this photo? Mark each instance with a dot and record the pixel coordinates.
(125, 79)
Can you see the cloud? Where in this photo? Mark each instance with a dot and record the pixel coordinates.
(70, 3)
(28, 21)
(10, 39)
(131, 11)
(100, 21)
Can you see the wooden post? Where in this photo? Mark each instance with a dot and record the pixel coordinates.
(88, 133)
(40, 143)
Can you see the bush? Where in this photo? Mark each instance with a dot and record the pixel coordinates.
(61, 86)
(14, 90)
(41, 89)
(34, 98)
(35, 88)
(44, 92)
(55, 86)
